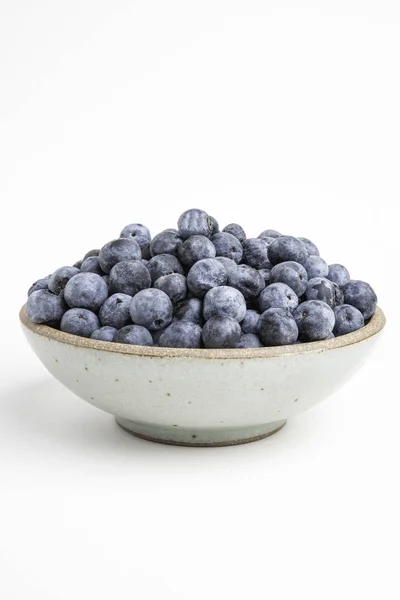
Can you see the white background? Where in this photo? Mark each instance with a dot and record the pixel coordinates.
(278, 115)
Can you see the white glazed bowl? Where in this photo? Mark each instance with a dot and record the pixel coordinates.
(201, 397)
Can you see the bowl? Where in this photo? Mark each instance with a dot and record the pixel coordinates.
(201, 397)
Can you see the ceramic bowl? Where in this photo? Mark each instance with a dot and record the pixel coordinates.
(201, 397)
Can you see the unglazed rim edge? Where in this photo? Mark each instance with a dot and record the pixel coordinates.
(375, 325)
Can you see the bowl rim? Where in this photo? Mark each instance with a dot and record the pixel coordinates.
(373, 327)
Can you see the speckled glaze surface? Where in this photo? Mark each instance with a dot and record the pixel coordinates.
(201, 397)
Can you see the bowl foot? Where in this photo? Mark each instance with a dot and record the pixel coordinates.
(182, 436)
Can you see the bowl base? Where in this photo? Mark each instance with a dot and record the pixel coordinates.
(181, 436)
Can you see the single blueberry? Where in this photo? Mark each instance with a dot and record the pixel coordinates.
(278, 295)
(228, 263)
(204, 275)
(269, 233)
(291, 273)
(227, 245)
(247, 280)
(224, 301)
(277, 327)
(214, 225)
(79, 321)
(338, 274)
(106, 334)
(255, 253)
(86, 290)
(174, 285)
(266, 238)
(138, 232)
(347, 319)
(315, 320)
(311, 248)
(361, 295)
(195, 248)
(151, 308)
(236, 230)
(45, 307)
(195, 222)
(94, 252)
(129, 277)
(166, 242)
(250, 321)
(221, 332)
(287, 248)
(249, 340)
(164, 264)
(117, 250)
(115, 312)
(320, 288)
(190, 310)
(60, 278)
(181, 334)
(135, 335)
(40, 284)
(92, 265)
(316, 267)
(266, 275)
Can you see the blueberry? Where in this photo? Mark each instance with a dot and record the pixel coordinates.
(79, 321)
(146, 254)
(78, 264)
(236, 230)
(94, 252)
(291, 273)
(269, 233)
(316, 267)
(247, 280)
(250, 321)
(60, 278)
(129, 277)
(255, 253)
(152, 309)
(347, 319)
(311, 248)
(221, 332)
(228, 263)
(115, 311)
(361, 295)
(190, 310)
(338, 274)
(278, 295)
(224, 301)
(45, 307)
(166, 242)
(267, 239)
(174, 285)
(117, 250)
(287, 248)
(106, 334)
(138, 232)
(134, 334)
(277, 327)
(92, 265)
(195, 222)
(195, 248)
(181, 334)
(40, 284)
(320, 288)
(164, 264)
(315, 320)
(227, 245)
(266, 275)
(338, 294)
(214, 225)
(86, 290)
(204, 275)
(249, 340)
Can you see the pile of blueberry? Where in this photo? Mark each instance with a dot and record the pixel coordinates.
(197, 286)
